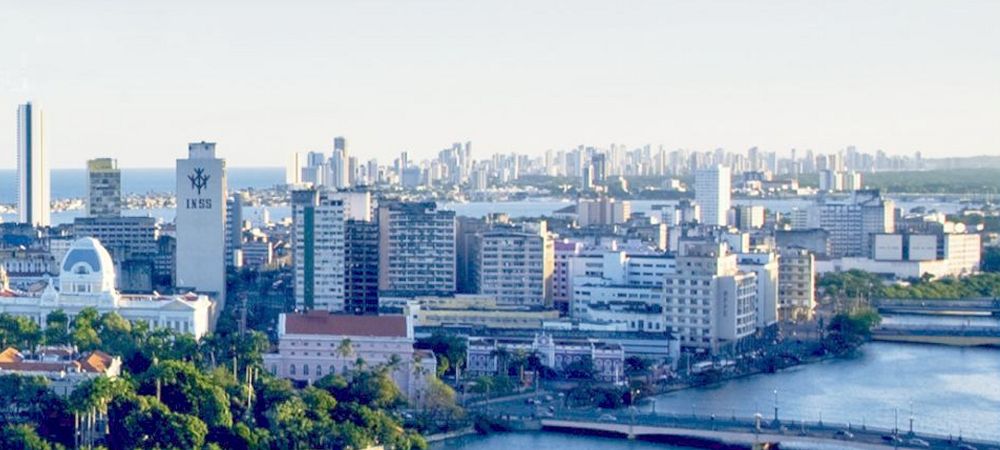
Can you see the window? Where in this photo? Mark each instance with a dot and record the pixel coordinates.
(291, 369)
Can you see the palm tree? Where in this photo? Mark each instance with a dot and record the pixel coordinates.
(502, 355)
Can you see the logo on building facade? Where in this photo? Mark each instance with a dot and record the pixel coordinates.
(199, 180)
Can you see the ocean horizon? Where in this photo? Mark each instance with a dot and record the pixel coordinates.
(72, 183)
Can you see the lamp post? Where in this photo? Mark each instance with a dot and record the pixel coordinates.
(776, 422)
(911, 418)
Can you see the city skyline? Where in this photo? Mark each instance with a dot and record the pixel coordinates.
(903, 77)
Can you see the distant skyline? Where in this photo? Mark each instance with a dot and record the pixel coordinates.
(139, 81)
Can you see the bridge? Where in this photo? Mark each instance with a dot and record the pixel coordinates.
(958, 307)
(743, 433)
(962, 336)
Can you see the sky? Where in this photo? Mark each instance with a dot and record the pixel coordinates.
(139, 80)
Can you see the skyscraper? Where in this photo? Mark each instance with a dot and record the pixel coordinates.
(104, 188)
(201, 221)
(318, 250)
(712, 192)
(32, 168)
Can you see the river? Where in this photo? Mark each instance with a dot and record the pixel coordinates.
(952, 391)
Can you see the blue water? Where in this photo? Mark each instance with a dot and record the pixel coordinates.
(72, 183)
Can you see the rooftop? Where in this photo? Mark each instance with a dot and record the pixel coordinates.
(324, 323)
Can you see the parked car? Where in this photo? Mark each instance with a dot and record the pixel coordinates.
(608, 418)
(917, 442)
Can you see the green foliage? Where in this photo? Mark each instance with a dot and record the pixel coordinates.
(848, 330)
(450, 351)
(29, 400)
(600, 396)
(582, 369)
(179, 393)
(19, 331)
(972, 286)
(22, 437)
(852, 284)
(991, 259)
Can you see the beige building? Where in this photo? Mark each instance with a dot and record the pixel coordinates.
(796, 284)
(475, 311)
(514, 264)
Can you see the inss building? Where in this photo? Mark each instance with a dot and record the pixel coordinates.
(201, 221)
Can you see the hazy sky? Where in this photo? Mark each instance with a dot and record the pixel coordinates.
(263, 79)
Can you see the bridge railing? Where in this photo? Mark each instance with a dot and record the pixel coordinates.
(766, 424)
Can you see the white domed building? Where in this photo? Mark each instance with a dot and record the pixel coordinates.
(87, 279)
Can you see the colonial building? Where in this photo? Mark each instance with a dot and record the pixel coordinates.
(87, 280)
(61, 366)
(315, 344)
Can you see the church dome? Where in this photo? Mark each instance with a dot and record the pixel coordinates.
(87, 268)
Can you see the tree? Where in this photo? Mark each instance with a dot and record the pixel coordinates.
(187, 390)
(29, 399)
(582, 369)
(153, 425)
(19, 331)
(22, 437)
(57, 328)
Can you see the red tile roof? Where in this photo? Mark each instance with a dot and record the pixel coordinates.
(319, 322)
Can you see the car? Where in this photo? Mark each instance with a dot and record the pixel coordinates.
(965, 447)
(917, 442)
(892, 438)
(608, 418)
(843, 434)
(529, 401)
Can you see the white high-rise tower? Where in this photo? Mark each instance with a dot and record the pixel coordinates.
(712, 191)
(201, 221)
(32, 169)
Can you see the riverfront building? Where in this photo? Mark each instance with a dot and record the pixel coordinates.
(710, 303)
(796, 284)
(488, 356)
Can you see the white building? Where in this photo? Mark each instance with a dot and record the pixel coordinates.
(766, 266)
(618, 287)
(853, 224)
(712, 191)
(317, 343)
(33, 195)
(318, 250)
(201, 221)
(87, 280)
(709, 302)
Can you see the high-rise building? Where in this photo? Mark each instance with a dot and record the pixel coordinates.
(201, 221)
(32, 168)
(318, 250)
(709, 302)
(234, 229)
(361, 266)
(796, 284)
(852, 224)
(712, 191)
(416, 249)
(132, 243)
(515, 264)
(104, 188)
